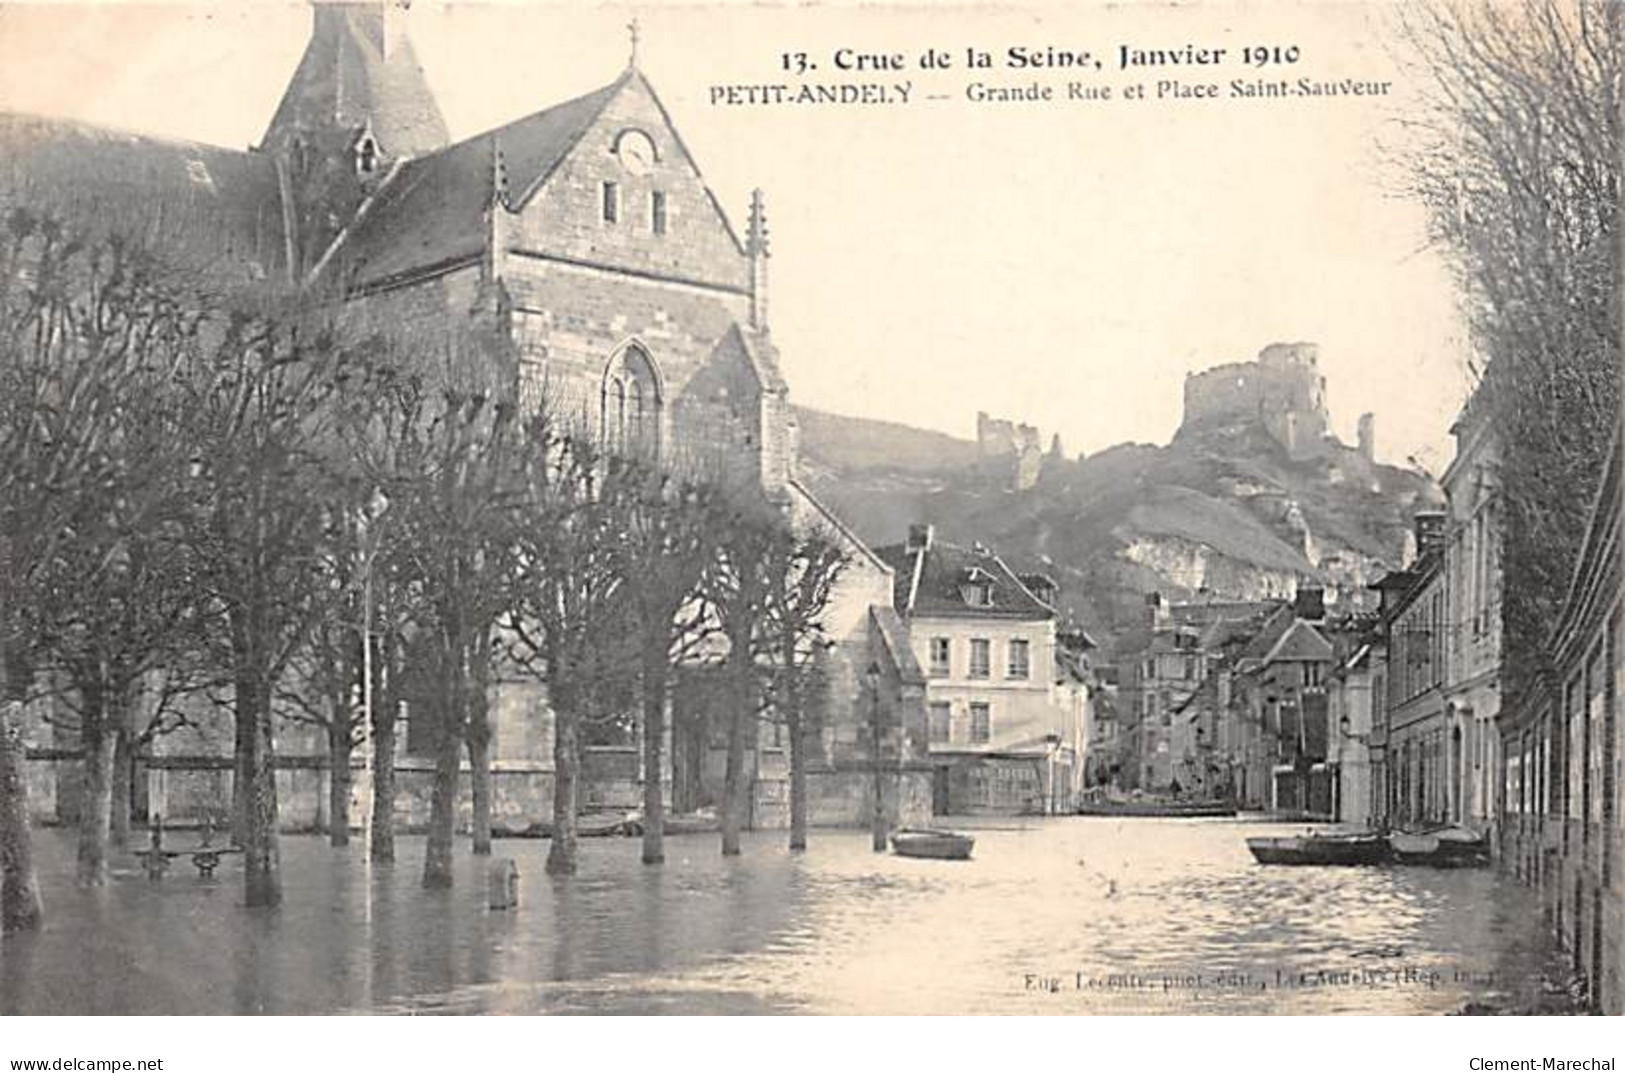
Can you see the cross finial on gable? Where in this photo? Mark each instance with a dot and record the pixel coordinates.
(633, 32)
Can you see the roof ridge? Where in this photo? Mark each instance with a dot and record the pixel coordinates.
(85, 126)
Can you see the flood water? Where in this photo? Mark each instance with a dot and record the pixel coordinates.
(1052, 916)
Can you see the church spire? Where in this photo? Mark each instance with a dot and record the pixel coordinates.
(359, 68)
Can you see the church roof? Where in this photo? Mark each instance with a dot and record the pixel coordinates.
(432, 210)
(359, 68)
(201, 202)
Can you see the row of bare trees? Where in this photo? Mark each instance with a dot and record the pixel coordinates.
(1516, 153)
(243, 496)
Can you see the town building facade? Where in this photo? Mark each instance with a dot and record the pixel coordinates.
(1007, 704)
(1415, 613)
(1561, 750)
(1472, 566)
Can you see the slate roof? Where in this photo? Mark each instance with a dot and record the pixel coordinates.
(431, 211)
(1257, 649)
(219, 206)
(354, 71)
(942, 570)
(1300, 643)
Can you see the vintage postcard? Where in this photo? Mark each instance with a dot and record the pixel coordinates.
(722, 508)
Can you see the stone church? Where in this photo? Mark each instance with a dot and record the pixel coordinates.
(583, 244)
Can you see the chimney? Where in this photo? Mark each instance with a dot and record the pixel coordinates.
(1429, 531)
(919, 537)
(1310, 602)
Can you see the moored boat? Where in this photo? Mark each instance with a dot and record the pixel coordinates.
(1313, 849)
(933, 843)
(1450, 847)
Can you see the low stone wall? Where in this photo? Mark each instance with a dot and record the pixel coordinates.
(845, 798)
(189, 790)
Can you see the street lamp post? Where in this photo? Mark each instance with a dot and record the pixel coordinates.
(371, 539)
(878, 826)
(1053, 741)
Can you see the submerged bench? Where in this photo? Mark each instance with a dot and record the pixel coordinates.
(205, 857)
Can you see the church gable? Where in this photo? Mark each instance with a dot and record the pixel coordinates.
(628, 196)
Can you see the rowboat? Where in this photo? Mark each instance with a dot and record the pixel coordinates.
(1450, 847)
(933, 843)
(1312, 849)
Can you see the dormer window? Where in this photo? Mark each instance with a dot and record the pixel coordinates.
(977, 588)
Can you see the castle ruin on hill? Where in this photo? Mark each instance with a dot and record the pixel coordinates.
(1283, 391)
(1010, 454)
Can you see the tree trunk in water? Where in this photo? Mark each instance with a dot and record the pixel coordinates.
(561, 855)
(242, 772)
(733, 774)
(338, 779)
(262, 872)
(123, 778)
(479, 747)
(798, 776)
(382, 849)
(734, 788)
(96, 797)
(795, 726)
(20, 906)
(654, 732)
(479, 763)
(437, 869)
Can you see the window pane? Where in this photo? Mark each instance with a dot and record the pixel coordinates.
(1019, 660)
(981, 661)
(941, 719)
(657, 212)
(612, 202)
(981, 724)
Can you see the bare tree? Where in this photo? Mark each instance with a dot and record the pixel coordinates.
(454, 491)
(669, 540)
(1516, 155)
(739, 589)
(259, 405)
(79, 321)
(113, 604)
(802, 570)
(570, 624)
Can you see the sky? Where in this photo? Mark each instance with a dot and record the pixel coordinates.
(1060, 263)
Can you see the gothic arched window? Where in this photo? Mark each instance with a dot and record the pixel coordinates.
(630, 408)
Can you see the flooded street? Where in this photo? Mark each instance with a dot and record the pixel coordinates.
(1058, 916)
